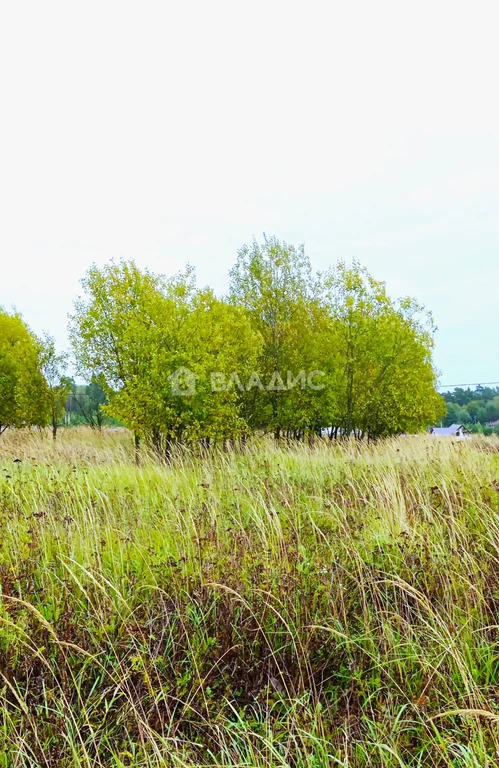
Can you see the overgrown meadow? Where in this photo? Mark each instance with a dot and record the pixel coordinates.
(300, 605)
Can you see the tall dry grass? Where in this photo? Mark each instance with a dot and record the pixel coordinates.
(292, 606)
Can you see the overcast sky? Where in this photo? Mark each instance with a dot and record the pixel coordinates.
(173, 132)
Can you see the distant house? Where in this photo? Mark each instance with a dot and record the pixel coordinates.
(493, 423)
(455, 430)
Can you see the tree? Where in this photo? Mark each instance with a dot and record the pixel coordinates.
(456, 414)
(87, 402)
(220, 347)
(284, 353)
(478, 406)
(53, 367)
(272, 281)
(23, 390)
(136, 331)
(111, 332)
(383, 374)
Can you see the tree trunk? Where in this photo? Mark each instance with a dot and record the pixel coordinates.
(136, 439)
(156, 441)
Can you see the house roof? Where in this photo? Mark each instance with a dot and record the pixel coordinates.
(493, 423)
(448, 431)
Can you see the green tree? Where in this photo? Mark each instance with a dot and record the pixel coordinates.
(456, 414)
(23, 390)
(137, 330)
(383, 373)
(272, 282)
(54, 368)
(197, 333)
(112, 331)
(285, 353)
(86, 402)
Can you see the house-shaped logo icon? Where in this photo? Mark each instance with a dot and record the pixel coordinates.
(183, 382)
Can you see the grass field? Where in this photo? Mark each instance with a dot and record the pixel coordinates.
(293, 606)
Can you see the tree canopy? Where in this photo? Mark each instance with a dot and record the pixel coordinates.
(23, 388)
(286, 351)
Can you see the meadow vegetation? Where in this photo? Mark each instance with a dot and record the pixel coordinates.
(286, 604)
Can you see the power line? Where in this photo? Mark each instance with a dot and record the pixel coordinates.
(479, 384)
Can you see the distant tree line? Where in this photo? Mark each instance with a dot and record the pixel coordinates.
(475, 408)
(286, 352)
(85, 404)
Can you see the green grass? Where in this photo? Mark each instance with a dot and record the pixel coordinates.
(293, 606)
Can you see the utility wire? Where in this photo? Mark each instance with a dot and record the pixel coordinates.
(479, 384)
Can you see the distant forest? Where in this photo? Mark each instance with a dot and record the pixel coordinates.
(477, 408)
(84, 405)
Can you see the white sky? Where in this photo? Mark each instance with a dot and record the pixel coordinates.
(175, 131)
